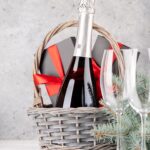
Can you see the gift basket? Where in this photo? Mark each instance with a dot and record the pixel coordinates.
(68, 128)
(60, 128)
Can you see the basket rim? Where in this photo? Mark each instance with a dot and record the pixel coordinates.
(55, 110)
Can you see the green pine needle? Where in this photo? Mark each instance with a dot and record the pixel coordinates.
(130, 120)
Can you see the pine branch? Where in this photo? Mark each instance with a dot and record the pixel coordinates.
(131, 123)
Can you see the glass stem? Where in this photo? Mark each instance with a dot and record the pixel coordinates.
(119, 130)
(143, 133)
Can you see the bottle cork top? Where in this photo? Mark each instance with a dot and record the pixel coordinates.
(87, 6)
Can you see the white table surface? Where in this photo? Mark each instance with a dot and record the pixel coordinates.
(19, 145)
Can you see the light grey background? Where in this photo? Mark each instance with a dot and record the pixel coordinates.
(23, 25)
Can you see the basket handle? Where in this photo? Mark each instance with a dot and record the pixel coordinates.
(38, 102)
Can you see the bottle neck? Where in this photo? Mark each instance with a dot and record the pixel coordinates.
(83, 45)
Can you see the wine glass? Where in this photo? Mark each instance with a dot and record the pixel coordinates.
(140, 89)
(114, 85)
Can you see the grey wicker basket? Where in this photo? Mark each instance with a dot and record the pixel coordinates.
(68, 129)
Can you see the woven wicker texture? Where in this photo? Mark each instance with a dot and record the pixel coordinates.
(98, 147)
(69, 129)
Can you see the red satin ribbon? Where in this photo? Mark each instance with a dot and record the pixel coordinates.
(56, 59)
(54, 83)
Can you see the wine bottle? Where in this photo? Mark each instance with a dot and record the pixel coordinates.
(79, 88)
